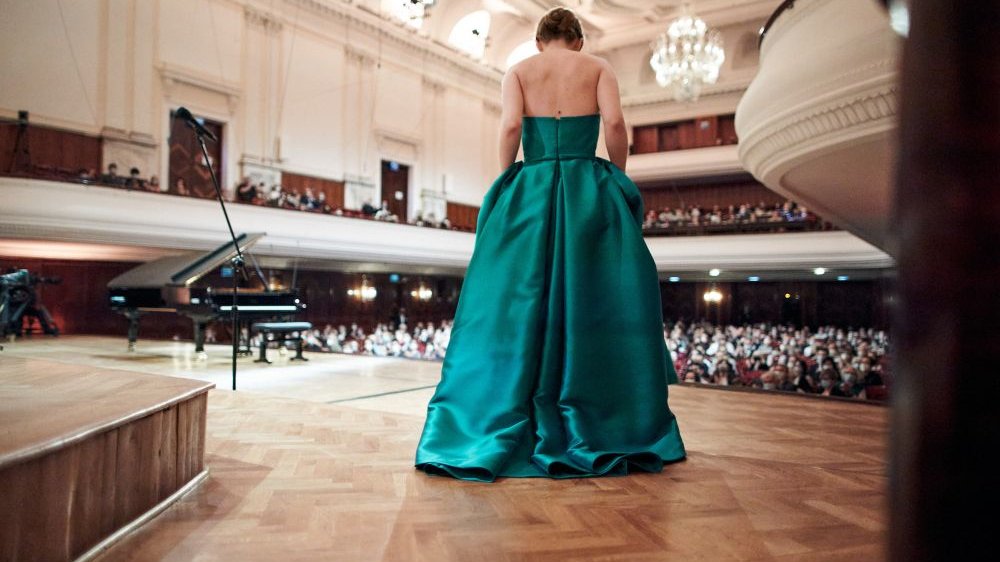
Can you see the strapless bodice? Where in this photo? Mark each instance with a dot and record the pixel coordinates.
(549, 138)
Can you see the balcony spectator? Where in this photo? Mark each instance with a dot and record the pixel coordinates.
(181, 188)
(246, 191)
(308, 200)
(274, 196)
(134, 181)
(112, 177)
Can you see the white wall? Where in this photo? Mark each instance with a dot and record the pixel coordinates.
(324, 89)
(320, 88)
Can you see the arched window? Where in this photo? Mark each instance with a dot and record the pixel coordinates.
(521, 52)
(469, 34)
(410, 12)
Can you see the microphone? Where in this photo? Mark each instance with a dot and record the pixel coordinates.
(184, 114)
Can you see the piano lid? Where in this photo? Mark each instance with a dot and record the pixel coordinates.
(184, 269)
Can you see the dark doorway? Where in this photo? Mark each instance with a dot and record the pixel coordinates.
(395, 179)
(187, 162)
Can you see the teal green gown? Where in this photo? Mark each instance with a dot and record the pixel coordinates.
(557, 365)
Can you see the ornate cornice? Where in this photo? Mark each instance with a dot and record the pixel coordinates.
(872, 110)
(262, 19)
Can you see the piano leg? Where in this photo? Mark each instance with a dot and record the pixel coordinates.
(298, 350)
(199, 339)
(133, 328)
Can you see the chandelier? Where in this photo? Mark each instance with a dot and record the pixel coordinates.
(687, 56)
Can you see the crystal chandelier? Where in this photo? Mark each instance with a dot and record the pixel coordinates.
(687, 56)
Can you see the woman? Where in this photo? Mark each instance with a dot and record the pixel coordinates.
(557, 366)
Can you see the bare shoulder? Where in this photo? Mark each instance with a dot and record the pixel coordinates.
(600, 62)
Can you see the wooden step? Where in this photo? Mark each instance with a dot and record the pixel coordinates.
(87, 452)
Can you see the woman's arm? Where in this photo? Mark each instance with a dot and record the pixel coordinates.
(610, 105)
(512, 101)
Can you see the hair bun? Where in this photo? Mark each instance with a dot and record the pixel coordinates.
(559, 23)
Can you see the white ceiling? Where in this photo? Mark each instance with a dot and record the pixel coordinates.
(607, 23)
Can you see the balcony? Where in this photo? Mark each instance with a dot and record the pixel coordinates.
(817, 124)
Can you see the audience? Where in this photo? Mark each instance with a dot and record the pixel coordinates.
(830, 361)
(423, 341)
(694, 217)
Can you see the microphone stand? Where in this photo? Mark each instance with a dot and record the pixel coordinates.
(237, 260)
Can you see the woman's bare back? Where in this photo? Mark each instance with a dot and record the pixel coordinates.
(560, 82)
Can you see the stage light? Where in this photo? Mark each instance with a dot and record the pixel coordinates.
(753, 278)
(713, 296)
(674, 279)
(842, 278)
(819, 270)
(714, 272)
(788, 295)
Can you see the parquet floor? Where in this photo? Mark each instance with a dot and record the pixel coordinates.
(768, 478)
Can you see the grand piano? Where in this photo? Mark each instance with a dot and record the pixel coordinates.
(172, 284)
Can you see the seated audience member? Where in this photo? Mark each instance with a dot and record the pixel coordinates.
(246, 191)
(321, 204)
(446, 223)
(308, 201)
(134, 181)
(869, 377)
(274, 196)
(850, 385)
(291, 200)
(800, 381)
(181, 188)
(368, 209)
(767, 381)
(723, 374)
(154, 184)
(112, 177)
(829, 383)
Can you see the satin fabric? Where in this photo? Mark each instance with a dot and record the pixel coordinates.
(557, 366)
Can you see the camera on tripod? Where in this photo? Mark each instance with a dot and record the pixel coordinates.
(20, 304)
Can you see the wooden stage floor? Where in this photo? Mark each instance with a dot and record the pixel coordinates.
(314, 461)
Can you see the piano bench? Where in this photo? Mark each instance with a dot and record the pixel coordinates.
(280, 332)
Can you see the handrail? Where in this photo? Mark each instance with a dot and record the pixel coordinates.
(786, 5)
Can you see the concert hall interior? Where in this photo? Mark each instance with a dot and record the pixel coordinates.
(817, 182)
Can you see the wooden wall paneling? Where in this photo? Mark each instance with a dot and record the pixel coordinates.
(644, 140)
(395, 181)
(54, 150)
(727, 129)
(334, 189)
(687, 135)
(186, 160)
(662, 196)
(463, 216)
(79, 303)
(669, 138)
(8, 137)
(706, 131)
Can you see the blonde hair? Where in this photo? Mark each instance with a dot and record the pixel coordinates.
(559, 23)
